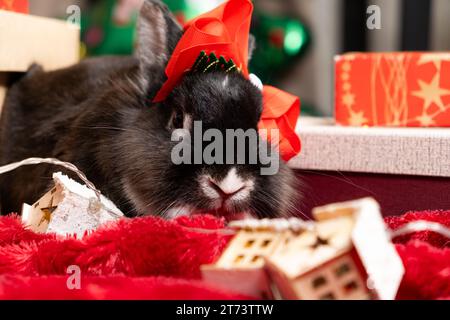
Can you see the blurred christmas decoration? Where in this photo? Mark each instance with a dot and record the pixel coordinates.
(108, 27)
(403, 89)
(186, 10)
(280, 41)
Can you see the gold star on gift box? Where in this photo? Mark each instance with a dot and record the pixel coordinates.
(357, 119)
(347, 66)
(348, 99)
(431, 93)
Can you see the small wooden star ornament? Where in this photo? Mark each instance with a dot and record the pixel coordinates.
(47, 212)
(320, 242)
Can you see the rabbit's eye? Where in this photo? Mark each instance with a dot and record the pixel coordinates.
(177, 120)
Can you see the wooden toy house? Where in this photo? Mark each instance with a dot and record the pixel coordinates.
(69, 208)
(241, 266)
(345, 254)
(348, 256)
(319, 264)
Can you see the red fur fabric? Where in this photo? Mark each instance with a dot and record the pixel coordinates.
(426, 257)
(150, 258)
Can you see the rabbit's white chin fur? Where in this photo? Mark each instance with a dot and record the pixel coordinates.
(180, 211)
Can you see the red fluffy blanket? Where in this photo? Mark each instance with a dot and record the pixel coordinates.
(149, 258)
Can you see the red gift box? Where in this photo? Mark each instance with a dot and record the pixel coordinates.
(404, 89)
(14, 5)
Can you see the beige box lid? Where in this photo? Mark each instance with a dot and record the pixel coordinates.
(25, 39)
(408, 151)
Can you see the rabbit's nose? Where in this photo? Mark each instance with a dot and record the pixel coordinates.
(224, 190)
(232, 186)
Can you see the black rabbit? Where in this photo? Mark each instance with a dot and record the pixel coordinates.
(99, 116)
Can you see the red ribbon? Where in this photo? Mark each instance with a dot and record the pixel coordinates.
(225, 31)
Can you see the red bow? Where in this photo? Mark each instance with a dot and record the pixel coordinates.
(225, 32)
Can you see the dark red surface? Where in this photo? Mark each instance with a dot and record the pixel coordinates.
(396, 194)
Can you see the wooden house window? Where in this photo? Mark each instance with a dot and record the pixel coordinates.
(266, 243)
(256, 259)
(350, 287)
(342, 270)
(249, 243)
(319, 282)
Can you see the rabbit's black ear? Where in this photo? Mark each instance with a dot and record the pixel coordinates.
(158, 33)
(251, 46)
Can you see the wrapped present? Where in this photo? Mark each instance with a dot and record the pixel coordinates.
(28, 39)
(14, 5)
(402, 89)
